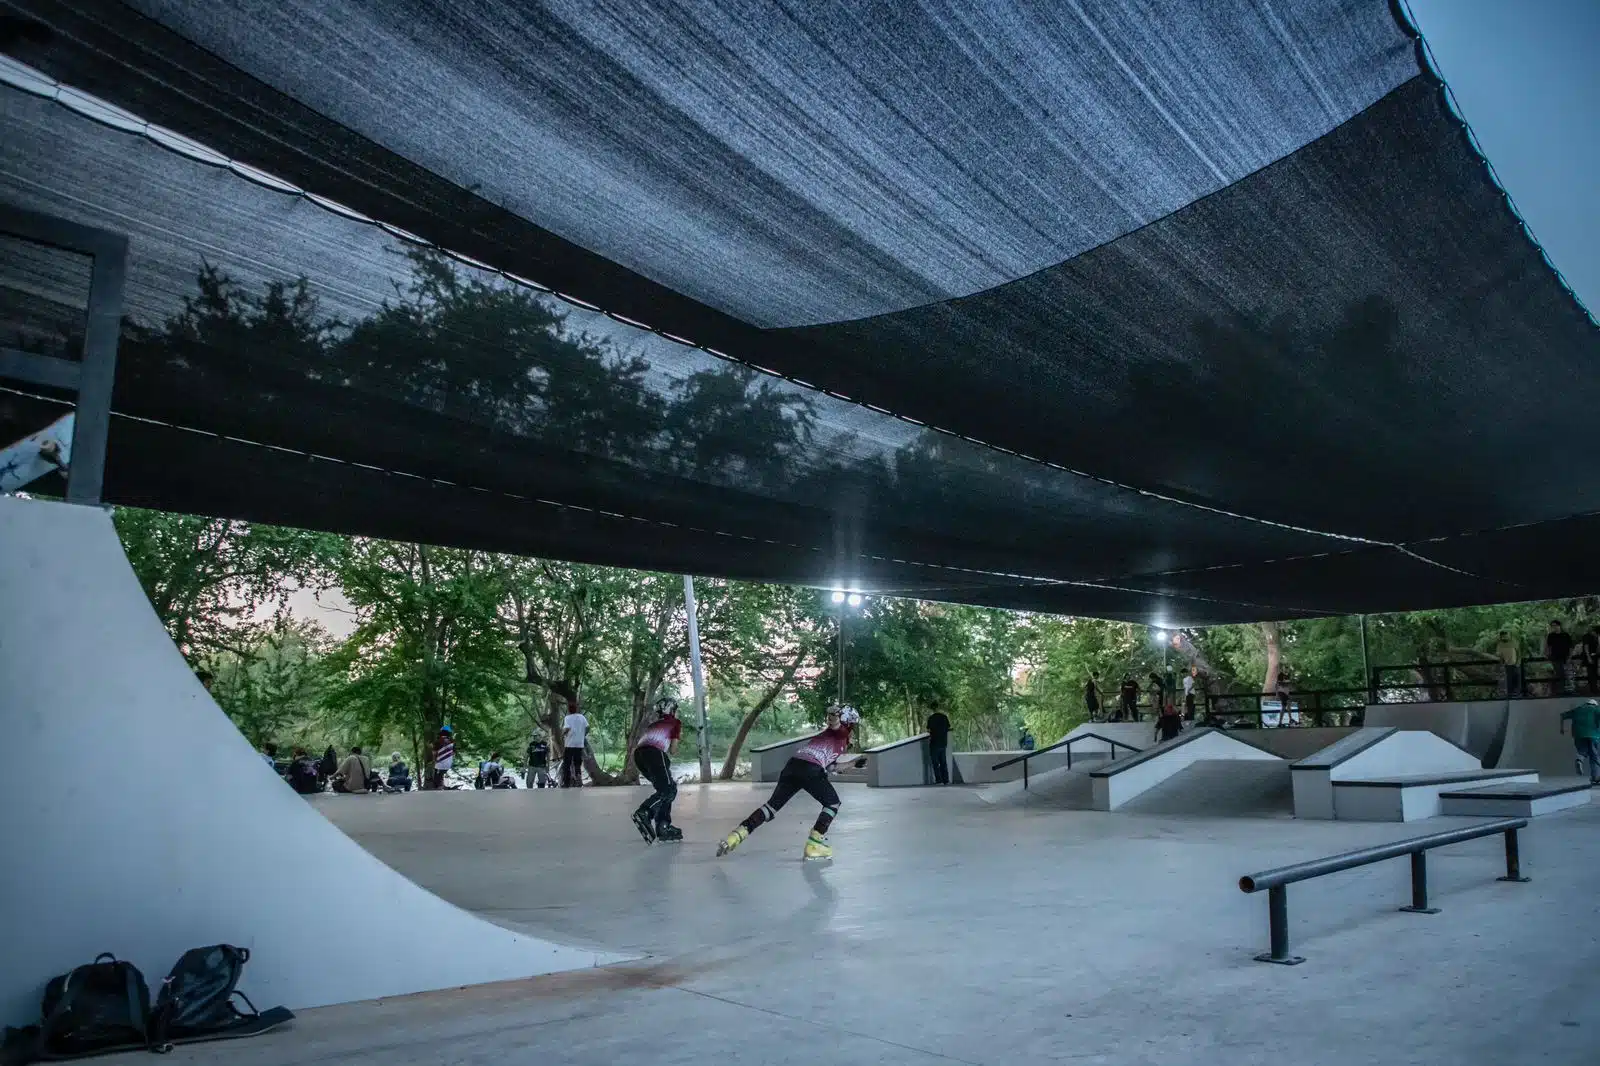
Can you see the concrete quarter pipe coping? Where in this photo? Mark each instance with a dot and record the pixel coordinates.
(140, 821)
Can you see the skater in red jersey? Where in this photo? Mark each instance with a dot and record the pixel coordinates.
(806, 771)
(652, 755)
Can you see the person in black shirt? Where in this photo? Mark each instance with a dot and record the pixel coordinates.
(1589, 656)
(1129, 711)
(1558, 649)
(1091, 697)
(939, 746)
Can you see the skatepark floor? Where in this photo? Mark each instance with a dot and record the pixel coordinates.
(947, 930)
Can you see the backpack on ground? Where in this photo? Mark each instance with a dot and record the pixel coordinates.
(197, 996)
(99, 1007)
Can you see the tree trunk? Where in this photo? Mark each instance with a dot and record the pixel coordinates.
(1272, 634)
(748, 723)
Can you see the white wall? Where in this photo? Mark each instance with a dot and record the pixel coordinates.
(1313, 793)
(1114, 787)
(171, 833)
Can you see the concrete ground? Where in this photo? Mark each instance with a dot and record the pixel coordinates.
(948, 930)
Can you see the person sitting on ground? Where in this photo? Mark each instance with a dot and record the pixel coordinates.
(1585, 719)
(1026, 741)
(399, 774)
(1169, 724)
(269, 752)
(351, 777)
(329, 764)
(490, 771)
(303, 776)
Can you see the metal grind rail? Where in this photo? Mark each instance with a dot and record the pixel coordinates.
(1023, 759)
(1275, 882)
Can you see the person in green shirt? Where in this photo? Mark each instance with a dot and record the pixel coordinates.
(1585, 719)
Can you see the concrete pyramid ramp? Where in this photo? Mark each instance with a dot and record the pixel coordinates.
(1116, 784)
(139, 821)
(1063, 789)
(1221, 787)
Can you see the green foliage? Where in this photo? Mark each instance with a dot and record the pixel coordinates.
(273, 691)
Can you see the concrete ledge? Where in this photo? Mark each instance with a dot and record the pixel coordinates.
(901, 764)
(767, 761)
(1343, 750)
(1408, 798)
(1516, 800)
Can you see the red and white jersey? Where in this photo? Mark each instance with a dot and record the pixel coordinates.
(825, 748)
(660, 734)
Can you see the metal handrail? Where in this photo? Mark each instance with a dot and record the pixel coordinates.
(1065, 743)
(1275, 882)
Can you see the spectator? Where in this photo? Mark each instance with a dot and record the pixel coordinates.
(1585, 719)
(204, 677)
(1158, 694)
(1589, 656)
(1558, 649)
(939, 746)
(269, 752)
(1026, 742)
(352, 774)
(399, 775)
(1091, 697)
(539, 762)
(1188, 692)
(490, 771)
(1168, 725)
(329, 764)
(1510, 656)
(304, 776)
(1129, 693)
(574, 736)
(443, 756)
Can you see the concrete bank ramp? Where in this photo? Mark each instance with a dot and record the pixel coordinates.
(1534, 737)
(1117, 783)
(1448, 721)
(170, 832)
(1256, 788)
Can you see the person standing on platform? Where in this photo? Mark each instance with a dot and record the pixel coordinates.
(1558, 649)
(1129, 695)
(939, 746)
(1158, 694)
(574, 738)
(1510, 656)
(1589, 656)
(1091, 697)
(1188, 693)
(1585, 719)
(806, 771)
(653, 756)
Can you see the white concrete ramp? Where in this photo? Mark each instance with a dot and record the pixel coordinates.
(1117, 783)
(1448, 721)
(1239, 788)
(138, 821)
(1069, 790)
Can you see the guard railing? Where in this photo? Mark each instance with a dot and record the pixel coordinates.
(1067, 743)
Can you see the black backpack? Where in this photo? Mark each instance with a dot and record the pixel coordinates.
(197, 996)
(303, 776)
(98, 1007)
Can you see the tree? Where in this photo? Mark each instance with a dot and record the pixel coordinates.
(273, 690)
(211, 579)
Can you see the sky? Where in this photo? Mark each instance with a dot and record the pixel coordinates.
(1526, 76)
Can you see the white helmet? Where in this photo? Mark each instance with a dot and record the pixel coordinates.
(666, 707)
(849, 715)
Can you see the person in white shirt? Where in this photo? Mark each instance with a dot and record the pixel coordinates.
(1188, 693)
(575, 736)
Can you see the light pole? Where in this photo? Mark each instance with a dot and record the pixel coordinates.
(843, 600)
(1161, 636)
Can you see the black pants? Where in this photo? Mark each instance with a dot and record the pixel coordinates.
(940, 754)
(572, 768)
(1188, 706)
(656, 767)
(799, 776)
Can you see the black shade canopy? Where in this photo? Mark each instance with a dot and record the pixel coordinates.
(1162, 311)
